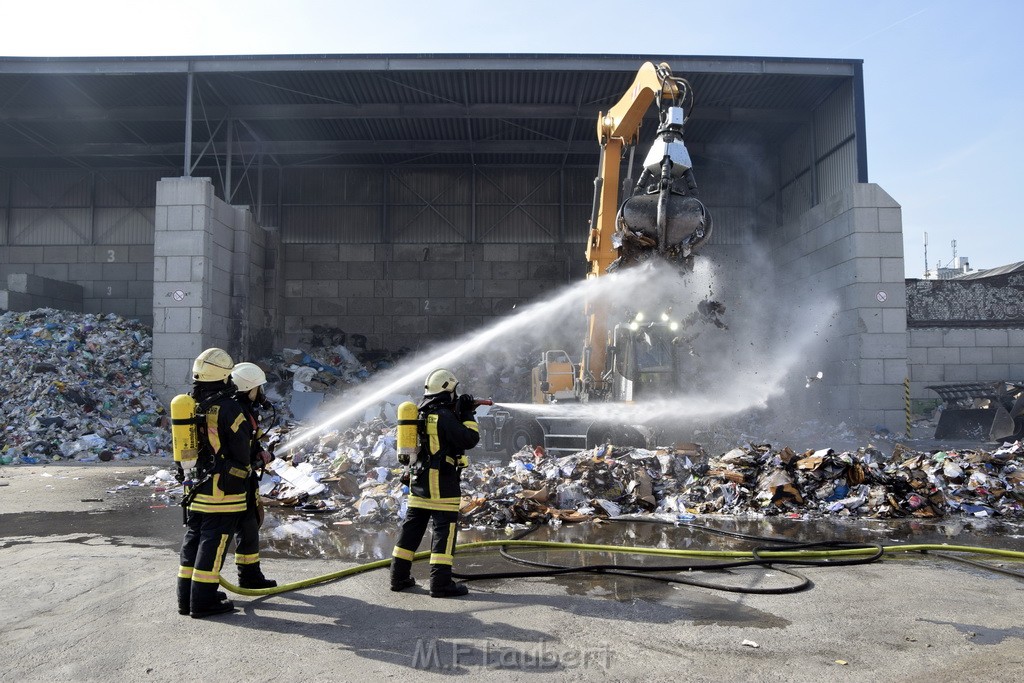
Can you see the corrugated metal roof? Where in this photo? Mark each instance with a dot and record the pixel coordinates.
(382, 109)
(1017, 267)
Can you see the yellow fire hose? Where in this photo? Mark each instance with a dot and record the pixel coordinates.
(780, 555)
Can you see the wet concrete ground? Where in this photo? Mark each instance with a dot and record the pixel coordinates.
(144, 523)
(88, 596)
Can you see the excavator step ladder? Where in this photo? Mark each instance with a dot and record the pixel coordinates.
(562, 435)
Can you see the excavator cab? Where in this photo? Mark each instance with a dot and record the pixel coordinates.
(553, 378)
(644, 361)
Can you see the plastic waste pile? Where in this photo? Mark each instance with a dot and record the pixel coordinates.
(326, 363)
(76, 388)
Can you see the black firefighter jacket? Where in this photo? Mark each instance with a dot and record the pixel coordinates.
(229, 436)
(442, 454)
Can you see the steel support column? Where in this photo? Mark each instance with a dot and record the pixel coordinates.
(228, 190)
(188, 125)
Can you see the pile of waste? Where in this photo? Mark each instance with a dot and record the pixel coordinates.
(355, 474)
(76, 388)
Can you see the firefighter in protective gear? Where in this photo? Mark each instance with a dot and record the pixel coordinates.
(447, 427)
(249, 379)
(215, 496)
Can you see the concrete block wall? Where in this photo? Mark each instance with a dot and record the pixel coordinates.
(114, 278)
(850, 248)
(28, 292)
(409, 295)
(201, 274)
(256, 287)
(941, 355)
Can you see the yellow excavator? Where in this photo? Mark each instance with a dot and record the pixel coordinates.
(661, 217)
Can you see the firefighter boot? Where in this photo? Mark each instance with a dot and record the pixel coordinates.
(441, 584)
(206, 603)
(184, 595)
(400, 579)
(250, 576)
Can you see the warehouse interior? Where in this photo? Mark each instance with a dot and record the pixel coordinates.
(246, 200)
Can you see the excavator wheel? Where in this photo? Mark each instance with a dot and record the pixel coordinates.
(616, 435)
(523, 434)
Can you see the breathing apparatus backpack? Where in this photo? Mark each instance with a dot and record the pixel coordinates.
(188, 433)
(184, 431)
(409, 427)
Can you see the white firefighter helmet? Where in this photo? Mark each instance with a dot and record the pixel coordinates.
(212, 365)
(248, 376)
(439, 381)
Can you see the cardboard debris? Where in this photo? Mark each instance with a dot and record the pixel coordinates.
(363, 482)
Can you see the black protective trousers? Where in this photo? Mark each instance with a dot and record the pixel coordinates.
(444, 536)
(247, 535)
(207, 537)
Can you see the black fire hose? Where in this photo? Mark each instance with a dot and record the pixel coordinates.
(654, 572)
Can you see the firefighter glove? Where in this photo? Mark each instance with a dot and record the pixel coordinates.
(465, 407)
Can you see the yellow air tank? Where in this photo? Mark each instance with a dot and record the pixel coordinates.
(184, 435)
(408, 437)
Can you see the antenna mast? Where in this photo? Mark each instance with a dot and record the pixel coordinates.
(926, 254)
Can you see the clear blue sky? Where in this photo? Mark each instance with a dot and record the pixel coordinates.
(943, 79)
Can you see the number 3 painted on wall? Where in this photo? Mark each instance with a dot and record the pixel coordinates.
(111, 256)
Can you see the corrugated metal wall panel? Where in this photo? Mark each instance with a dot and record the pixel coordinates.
(834, 120)
(838, 170)
(40, 189)
(64, 226)
(504, 186)
(123, 225)
(765, 213)
(726, 184)
(577, 223)
(439, 186)
(795, 155)
(313, 186)
(127, 188)
(5, 183)
(451, 224)
(518, 225)
(578, 186)
(331, 225)
(733, 225)
(796, 198)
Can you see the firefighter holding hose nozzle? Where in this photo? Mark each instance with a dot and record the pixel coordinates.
(433, 438)
(249, 379)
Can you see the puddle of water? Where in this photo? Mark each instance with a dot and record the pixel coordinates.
(146, 528)
(325, 537)
(982, 635)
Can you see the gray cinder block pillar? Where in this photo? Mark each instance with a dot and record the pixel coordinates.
(183, 266)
